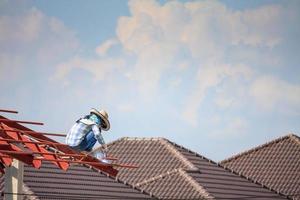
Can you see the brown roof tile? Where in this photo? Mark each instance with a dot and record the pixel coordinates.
(170, 171)
(275, 164)
(79, 182)
(153, 156)
(185, 187)
(1, 185)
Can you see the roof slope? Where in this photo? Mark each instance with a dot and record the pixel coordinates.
(185, 187)
(1, 186)
(169, 171)
(79, 182)
(275, 164)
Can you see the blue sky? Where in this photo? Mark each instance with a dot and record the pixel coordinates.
(217, 77)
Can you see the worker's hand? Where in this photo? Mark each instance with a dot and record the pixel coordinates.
(104, 148)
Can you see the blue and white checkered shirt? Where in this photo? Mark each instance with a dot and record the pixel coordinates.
(79, 130)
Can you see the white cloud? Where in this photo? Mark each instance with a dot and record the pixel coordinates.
(156, 34)
(234, 127)
(175, 82)
(224, 101)
(102, 49)
(9, 66)
(272, 93)
(32, 38)
(160, 41)
(24, 28)
(100, 69)
(209, 77)
(126, 107)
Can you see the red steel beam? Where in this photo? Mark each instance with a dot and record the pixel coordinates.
(2, 168)
(47, 143)
(93, 163)
(77, 161)
(7, 160)
(34, 132)
(48, 153)
(66, 149)
(28, 159)
(9, 111)
(22, 122)
(34, 147)
(15, 152)
(32, 142)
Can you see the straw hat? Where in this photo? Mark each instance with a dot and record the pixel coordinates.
(104, 116)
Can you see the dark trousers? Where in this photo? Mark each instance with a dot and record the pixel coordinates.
(87, 143)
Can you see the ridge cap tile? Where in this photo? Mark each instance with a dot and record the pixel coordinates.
(179, 155)
(182, 172)
(174, 146)
(261, 146)
(231, 170)
(192, 152)
(203, 192)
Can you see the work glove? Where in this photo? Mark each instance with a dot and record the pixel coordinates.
(104, 149)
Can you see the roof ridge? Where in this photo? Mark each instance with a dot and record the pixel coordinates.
(116, 141)
(193, 152)
(295, 137)
(203, 192)
(154, 178)
(196, 185)
(230, 170)
(133, 138)
(166, 143)
(175, 152)
(256, 182)
(142, 138)
(274, 141)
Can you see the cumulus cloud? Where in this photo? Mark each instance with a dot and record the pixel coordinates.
(157, 36)
(204, 30)
(272, 93)
(209, 77)
(233, 127)
(21, 29)
(203, 45)
(125, 107)
(102, 49)
(100, 69)
(32, 38)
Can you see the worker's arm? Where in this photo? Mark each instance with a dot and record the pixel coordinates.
(98, 136)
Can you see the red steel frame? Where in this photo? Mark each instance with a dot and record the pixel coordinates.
(30, 147)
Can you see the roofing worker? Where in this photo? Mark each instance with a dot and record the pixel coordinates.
(87, 131)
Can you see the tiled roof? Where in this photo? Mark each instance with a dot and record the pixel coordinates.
(185, 187)
(1, 186)
(170, 171)
(275, 164)
(79, 182)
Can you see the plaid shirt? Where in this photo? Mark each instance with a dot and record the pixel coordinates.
(79, 130)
